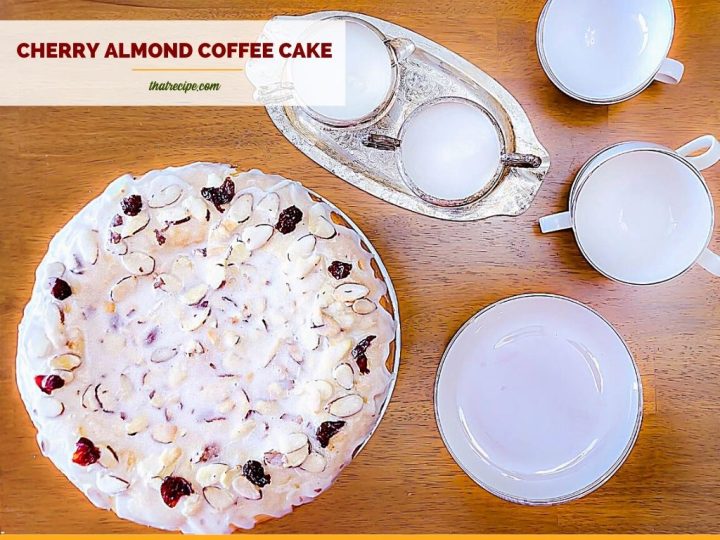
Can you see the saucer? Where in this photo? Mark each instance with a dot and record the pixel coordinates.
(538, 399)
(605, 52)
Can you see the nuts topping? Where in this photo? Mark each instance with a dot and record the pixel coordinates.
(327, 430)
(345, 406)
(65, 362)
(288, 220)
(194, 320)
(349, 292)
(165, 197)
(314, 463)
(131, 205)
(302, 247)
(220, 499)
(343, 375)
(164, 433)
(168, 283)
(194, 295)
(222, 194)
(254, 471)
(241, 209)
(321, 227)
(363, 306)
(208, 475)
(88, 247)
(339, 270)
(173, 488)
(246, 489)
(60, 289)
(86, 453)
(137, 425)
(111, 484)
(257, 236)
(163, 354)
(123, 288)
(134, 224)
(50, 407)
(138, 263)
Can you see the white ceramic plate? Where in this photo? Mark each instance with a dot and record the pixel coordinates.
(605, 51)
(538, 399)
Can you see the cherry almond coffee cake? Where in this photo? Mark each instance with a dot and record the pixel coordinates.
(204, 349)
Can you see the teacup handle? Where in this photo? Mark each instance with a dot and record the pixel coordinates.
(710, 261)
(710, 155)
(403, 48)
(670, 72)
(556, 222)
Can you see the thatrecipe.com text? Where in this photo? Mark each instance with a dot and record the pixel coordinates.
(238, 50)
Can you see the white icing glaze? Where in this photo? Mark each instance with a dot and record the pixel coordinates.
(250, 373)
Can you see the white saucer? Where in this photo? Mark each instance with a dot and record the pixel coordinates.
(538, 399)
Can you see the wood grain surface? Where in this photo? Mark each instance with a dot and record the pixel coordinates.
(54, 160)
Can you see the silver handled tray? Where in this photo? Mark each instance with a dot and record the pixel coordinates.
(427, 73)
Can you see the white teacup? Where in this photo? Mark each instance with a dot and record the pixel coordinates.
(607, 51)
(642, 213)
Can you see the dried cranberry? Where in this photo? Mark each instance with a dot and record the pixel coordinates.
(117, 220)
(115, 237)
(60, 289)
(358, 353)
(160, 237)
(131, 205)
(86, 453)
(253, 471)
(219, 195)
(326, 431)
(211, 451)
(48, 383)
(339, 270)
(173, 488)
(288, 220)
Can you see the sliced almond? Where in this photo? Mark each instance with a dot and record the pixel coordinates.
(302, 247)
(344, 376)
(241, 208)
(50, 407)
(218, 498)
(309, 338)
(182, 267)
(163, 354)
(314, 463)
(168, 283)
(345, 406)
(108, 457)
(321, 227)
(165, 196)
(215, 275)
(190, 505)
(138, 263)
(239, 253)
(111, 484)
(195, 320)
(175, 215)
(257, 236)
(134, 224)
(300, 268)
(269, 206)
(363, 306)
(119, 248)
(123, 288)
(170, 456)
(164, 433)
(87, 246)
(197, 208)
(65, 362)
(297, 457)
(88, 399)
(136, 425)
(208, 475)
(246, 489)
(293, 442)
(54, 270)
(349, 292)
(194, 294)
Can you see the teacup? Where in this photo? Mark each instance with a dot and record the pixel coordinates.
(450, 151)
(642, 213)
(372, 76)
(609, 51)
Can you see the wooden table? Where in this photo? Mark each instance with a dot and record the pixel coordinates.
(54, 160)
